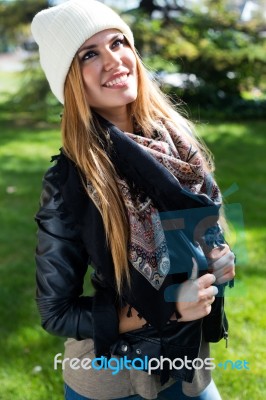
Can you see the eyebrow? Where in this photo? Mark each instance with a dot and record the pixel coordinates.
(94, 46)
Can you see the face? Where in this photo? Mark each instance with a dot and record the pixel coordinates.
(108, 67)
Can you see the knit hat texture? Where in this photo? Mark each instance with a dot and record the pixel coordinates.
(61, 30)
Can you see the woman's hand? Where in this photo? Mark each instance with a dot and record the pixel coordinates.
(221, 262)
(196, 295)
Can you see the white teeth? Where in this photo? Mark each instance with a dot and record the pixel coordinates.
(120, 79)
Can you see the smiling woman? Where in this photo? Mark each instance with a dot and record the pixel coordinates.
(127, 158)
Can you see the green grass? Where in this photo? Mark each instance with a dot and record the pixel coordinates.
(25, 151)
(240, 160)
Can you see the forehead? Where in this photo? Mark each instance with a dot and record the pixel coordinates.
(101, 37)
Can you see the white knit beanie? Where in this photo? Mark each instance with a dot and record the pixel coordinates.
(61, 30)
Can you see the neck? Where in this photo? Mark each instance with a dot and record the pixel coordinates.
(119, 118)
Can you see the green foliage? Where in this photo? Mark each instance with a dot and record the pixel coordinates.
(34, 97)
(27, 94)
(10, 84)
(227, 55)
(207, 102)
(15, 17)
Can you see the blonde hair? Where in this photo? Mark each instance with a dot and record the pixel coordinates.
(80, 134)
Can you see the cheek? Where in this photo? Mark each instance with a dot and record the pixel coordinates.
(133, 61)
(90, 79)
(129, 57)
(89, 75)
(87, 80)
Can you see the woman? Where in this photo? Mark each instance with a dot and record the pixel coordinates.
(128, 158)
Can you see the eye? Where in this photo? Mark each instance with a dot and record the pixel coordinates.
(119, 42)
(87, 56)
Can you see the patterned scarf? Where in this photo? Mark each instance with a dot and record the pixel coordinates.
(148, 251)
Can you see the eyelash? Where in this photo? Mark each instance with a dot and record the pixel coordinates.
(91, 53)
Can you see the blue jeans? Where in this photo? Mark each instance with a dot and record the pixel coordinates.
(174, 392)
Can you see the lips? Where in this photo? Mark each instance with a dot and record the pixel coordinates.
(116, 81)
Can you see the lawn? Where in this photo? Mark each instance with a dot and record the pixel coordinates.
(26, 361)
(240, 164)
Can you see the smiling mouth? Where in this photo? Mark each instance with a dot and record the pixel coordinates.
(120, 80)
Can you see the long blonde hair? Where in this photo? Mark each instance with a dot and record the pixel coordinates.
(80, 134)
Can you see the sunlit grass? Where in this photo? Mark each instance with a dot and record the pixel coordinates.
(26, 362)
(240, 161)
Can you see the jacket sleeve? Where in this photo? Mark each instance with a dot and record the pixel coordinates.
(61, 262)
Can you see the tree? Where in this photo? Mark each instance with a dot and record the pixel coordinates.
(34, 97)
(165, 7)
(15, 17)
(209, 40)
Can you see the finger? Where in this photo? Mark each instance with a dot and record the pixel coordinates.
(215, 290)
(218, 252)
(209, 293)
(227, 260)
(206, 280)
(224, 271)
(212, 300)
(226, 277)
(194, 272)
(207, 310)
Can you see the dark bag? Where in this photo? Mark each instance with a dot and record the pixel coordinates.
(215, 325)
(178, 341)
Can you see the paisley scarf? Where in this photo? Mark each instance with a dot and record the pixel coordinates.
(147, 248)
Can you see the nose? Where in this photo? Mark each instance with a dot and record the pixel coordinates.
(111, 60)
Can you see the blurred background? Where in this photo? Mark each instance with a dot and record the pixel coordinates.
(210, 57)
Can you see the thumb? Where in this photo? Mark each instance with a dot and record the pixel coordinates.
(194, 272)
